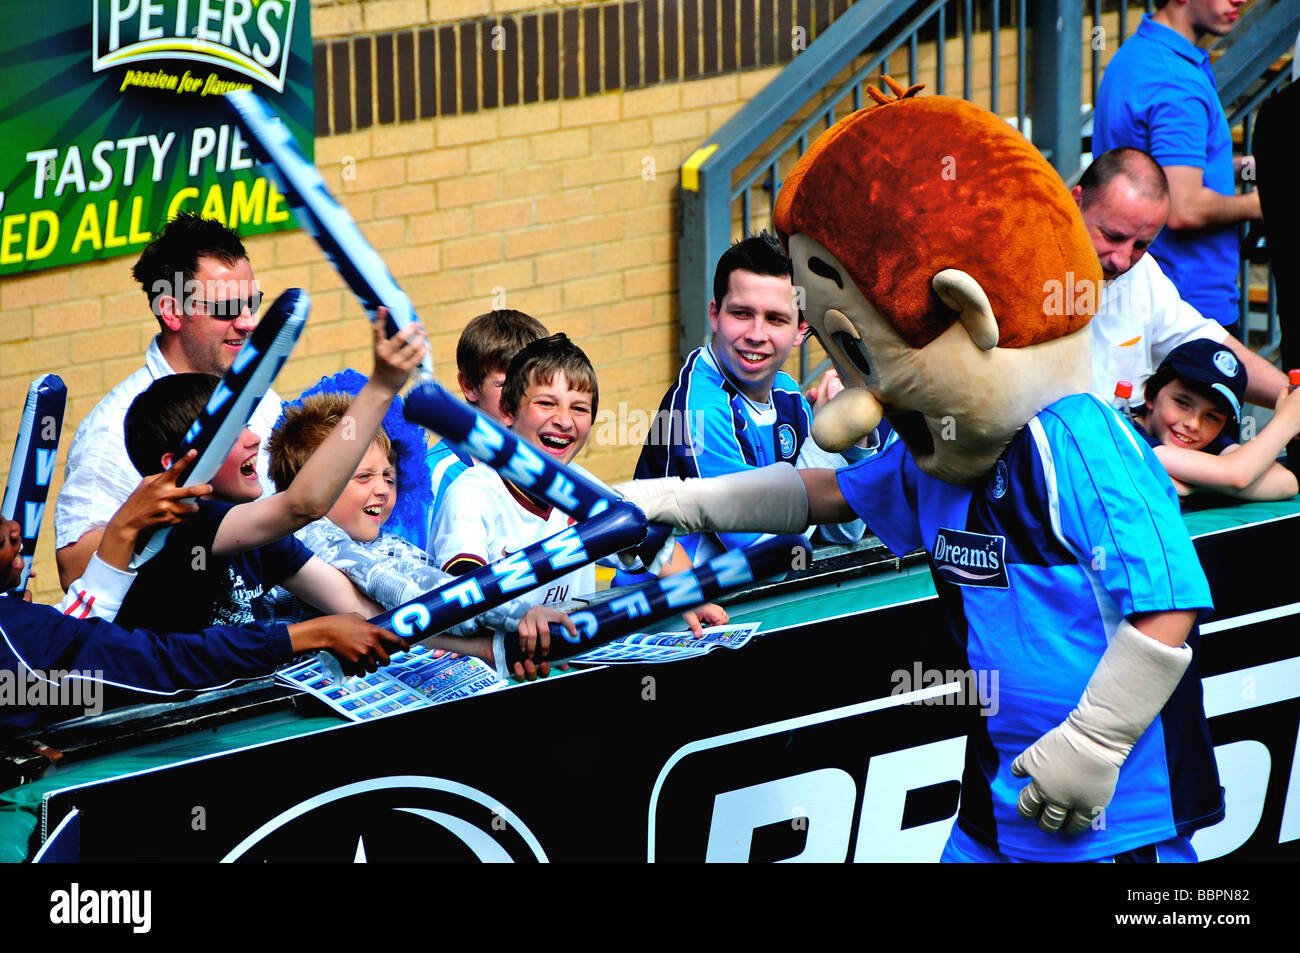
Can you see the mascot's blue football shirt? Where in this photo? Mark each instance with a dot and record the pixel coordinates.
(1075, 528)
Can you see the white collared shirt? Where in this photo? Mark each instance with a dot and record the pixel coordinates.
(100, 475)
(1141, 319)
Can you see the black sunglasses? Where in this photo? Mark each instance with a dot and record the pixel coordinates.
(231, 308)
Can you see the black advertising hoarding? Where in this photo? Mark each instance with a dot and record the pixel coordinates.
(799, 746)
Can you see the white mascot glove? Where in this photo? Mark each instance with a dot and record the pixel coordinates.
(1075, 766)
(631, 560)
(769, 499)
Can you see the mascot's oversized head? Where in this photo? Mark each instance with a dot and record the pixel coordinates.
(946, 271)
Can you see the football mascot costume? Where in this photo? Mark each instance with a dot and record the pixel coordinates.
(950, 277)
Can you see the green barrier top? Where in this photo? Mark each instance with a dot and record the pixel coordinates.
(1214, 519)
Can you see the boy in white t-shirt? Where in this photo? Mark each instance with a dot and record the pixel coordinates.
(549, 400)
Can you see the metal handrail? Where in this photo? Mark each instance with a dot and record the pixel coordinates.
(705, 192)
(1244, 113)
(708, 193)
(710, 201)
(852, 85)
(1272, 31)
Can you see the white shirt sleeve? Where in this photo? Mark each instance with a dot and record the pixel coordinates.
(462, 527)
(1140, 320)
(99, 592)
(1172, 320)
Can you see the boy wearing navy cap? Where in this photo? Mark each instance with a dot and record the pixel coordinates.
(1192, 419)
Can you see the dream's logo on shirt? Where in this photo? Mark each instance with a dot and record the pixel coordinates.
(1226, 362)
(971, 559)
(1000, 482)
(785, 441)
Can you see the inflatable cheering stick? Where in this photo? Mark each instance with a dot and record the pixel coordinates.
(321, 216)
(617, 528)
(433, 407)
(238, 393)
(32, 467)
(628, 610)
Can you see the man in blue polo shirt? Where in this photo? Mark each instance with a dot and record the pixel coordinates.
(1159, 95)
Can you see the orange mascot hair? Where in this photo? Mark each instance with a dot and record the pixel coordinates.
(899, 191)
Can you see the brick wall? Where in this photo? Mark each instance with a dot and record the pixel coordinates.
(561, 203)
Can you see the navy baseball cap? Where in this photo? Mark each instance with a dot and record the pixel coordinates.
(1212, 365)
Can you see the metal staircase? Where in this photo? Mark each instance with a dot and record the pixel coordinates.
(1024, 59)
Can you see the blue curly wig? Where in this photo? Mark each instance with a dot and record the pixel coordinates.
(410, 517)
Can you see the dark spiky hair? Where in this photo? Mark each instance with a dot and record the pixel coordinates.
(160, 416)
(759, 253)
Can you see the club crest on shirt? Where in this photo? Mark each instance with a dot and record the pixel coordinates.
(971, 559)
(998, 485)
(785, 441)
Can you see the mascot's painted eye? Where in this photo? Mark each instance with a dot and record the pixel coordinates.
(854, 351)
(819, 267)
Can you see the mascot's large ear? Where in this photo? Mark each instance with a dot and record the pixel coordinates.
(963, 294)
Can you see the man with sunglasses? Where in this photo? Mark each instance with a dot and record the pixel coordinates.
(200, 286)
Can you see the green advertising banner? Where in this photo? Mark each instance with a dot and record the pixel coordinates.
(112, 120)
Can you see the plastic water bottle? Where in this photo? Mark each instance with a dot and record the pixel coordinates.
(1123, 391)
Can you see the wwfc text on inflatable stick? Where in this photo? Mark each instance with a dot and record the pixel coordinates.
(636, 607)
